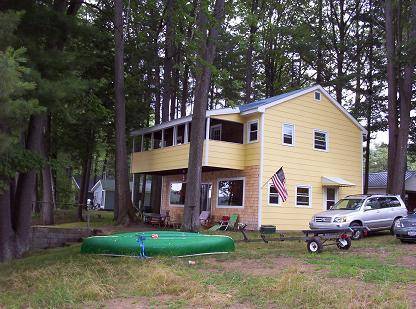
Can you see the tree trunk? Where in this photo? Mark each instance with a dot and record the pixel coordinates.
(7, 236)
(207, 53)
(392, 97)
(168, 63)
(123, 201)
(249, 55)
(319, 60)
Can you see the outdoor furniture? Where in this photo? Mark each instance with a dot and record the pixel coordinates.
(231, 222)
(204, 217)
(227, 223)
(153, 218)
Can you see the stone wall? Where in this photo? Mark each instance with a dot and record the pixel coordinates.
(248, 214)
(43, 237)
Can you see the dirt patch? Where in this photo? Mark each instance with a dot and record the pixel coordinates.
(124, 303)
(378, 253)
(267, 267)
(411, 295)
(407, 261)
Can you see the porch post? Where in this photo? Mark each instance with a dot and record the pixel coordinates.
(186, 134)
(206, 144)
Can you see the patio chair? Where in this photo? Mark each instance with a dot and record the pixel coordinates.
(204, 217)
(231, 222)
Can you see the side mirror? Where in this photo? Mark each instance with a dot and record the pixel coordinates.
(367, 207)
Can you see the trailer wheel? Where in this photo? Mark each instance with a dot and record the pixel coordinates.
(344, 243)
(314, 245)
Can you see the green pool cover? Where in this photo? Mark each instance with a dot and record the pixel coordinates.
(157, 243)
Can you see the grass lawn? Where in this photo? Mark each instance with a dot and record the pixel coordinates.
(377, 272)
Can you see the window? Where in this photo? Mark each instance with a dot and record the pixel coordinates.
(157, 139)
(168, 137)
(317, 96)
(303, 196)
(387, 202)
(274, 198)
(215, 132)
(320, 140)
(252, 131)
(230, 193)
(180, 134)
(330, 197)
(373, 203)
(288, 134)
(147, 141)
(177, 193)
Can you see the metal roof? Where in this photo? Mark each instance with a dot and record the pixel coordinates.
(379, 179)
(256, 104)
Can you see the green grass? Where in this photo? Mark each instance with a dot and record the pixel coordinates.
(63, 277)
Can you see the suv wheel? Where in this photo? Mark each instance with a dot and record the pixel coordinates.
(357, 234)
(392, 226)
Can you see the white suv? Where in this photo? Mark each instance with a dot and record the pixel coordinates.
(377, 212)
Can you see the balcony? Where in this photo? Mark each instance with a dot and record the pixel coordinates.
(166, 150)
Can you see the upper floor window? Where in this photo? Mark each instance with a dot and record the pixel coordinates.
(288, 134)
(320, 140)
(317, 96)
(215, 132)
(180, 134)
(252, 131)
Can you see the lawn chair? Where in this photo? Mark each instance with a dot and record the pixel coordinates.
(204, 217)
(231, 222)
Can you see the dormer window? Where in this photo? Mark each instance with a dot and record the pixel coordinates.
(317, 96)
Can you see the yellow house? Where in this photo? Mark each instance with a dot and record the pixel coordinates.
(316, 141)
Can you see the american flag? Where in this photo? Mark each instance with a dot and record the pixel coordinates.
(279, 182)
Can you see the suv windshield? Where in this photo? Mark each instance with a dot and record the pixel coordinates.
(348, 204)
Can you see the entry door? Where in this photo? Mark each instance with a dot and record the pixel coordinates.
(330, 197)
(205, 200)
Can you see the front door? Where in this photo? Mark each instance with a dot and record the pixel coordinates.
(205, 201)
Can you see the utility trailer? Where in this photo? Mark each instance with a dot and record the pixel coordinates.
(315, 240)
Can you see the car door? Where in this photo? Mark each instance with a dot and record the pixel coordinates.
(396, 208)
(387, 211)
(371, 216)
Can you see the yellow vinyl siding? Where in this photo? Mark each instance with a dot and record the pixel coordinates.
(230, 117)
(302, 164)
(226, 155)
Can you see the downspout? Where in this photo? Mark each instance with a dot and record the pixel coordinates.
(260, 197)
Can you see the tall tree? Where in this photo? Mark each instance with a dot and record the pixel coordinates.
(208, 42)
(400, 38)
(123, 205)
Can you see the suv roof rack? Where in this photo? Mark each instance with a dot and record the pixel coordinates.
(368, 195)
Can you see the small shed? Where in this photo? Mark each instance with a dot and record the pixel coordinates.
(104, 193)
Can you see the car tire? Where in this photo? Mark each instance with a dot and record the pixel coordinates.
(314, 245)
(392, 226)
(344, 243)
(357, 235)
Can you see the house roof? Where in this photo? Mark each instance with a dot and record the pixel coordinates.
(256, 106)
(379, 179)
(108, 185)
(77, 182)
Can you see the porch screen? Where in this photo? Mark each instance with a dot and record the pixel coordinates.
(177, 193)
(230, 192)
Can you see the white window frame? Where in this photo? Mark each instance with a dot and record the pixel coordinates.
(175, 205)
(314, 95)
(270, 183)
(326, 140)
(228, 179)
(249, 123)
(325, 196)
(310, 196)
(293, 134)
(214, 127)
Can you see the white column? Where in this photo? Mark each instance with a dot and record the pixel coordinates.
(152, 141)
(206, 144)
(142, 143)
(186, 134)
(163, 138)
(174, 135)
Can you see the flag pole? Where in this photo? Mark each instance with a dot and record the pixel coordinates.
(271, 177)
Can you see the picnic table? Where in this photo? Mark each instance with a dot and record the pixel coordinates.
(153, 218)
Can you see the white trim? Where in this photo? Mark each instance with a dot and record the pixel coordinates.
(94, 186)
(293, 134)
(310, 196)
(230, 179)
(260, 189)
(163, 139)
(314, 95)
(324, 92)
(223, 111)
(362, 165)
(186, 134)
(249, 123)
(269, 184)
(326, 140)
(142, 143)
(175, 133)
(325, 195)
(164, 125)
(132, 190)
(206, 143)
